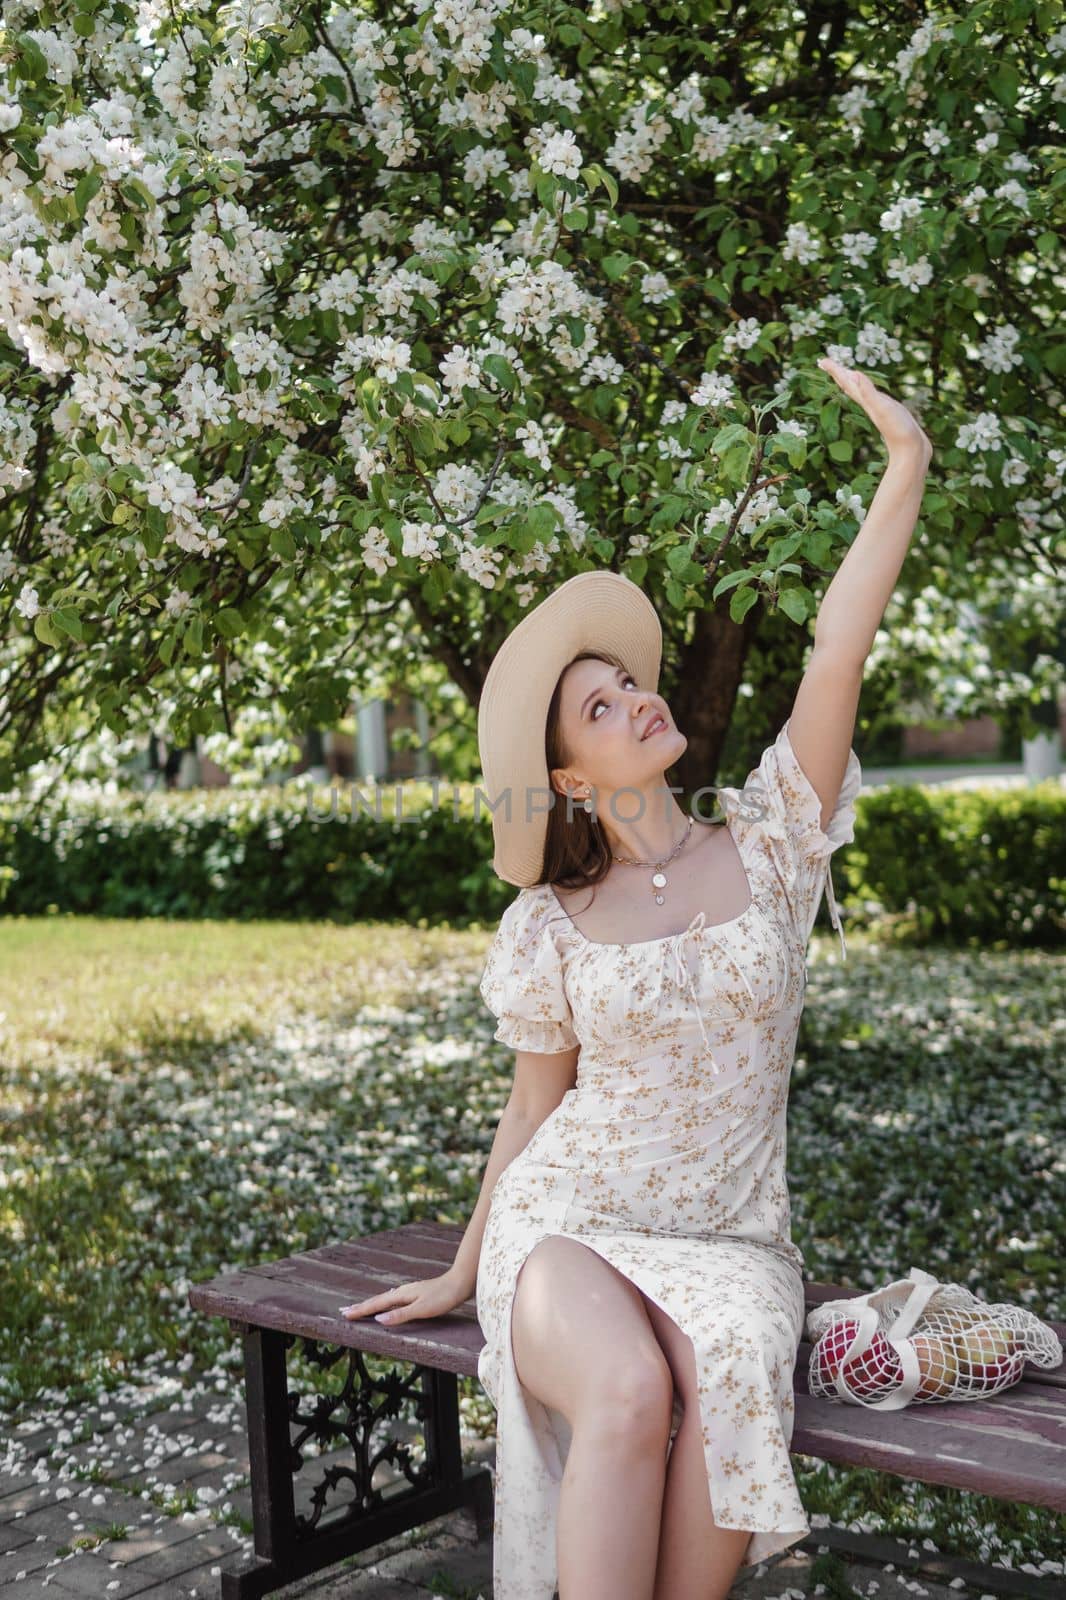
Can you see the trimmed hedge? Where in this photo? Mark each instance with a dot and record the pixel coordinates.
(986, 864)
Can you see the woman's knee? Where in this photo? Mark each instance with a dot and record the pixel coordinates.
(629, 1404)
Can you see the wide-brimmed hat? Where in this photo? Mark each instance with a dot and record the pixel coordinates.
(593, 611)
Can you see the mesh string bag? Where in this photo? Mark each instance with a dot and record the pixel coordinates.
(919, 1340)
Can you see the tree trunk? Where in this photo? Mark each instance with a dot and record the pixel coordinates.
(767, 651)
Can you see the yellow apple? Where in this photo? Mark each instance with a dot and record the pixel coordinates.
(989, 1356)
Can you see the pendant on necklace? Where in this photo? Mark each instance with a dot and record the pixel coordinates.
(659, 880)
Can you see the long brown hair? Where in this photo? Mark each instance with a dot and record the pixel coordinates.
(576, 853)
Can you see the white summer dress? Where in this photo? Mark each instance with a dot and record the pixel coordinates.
(667, 1159)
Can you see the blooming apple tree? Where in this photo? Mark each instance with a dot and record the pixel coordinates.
(320, 323)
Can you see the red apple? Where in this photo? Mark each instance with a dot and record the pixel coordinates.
(876, 1370)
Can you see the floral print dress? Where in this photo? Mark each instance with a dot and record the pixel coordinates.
(667, 1159)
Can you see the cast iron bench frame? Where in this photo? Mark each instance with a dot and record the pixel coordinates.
(1011, 1446)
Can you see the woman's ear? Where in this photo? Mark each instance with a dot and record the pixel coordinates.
(561, 779)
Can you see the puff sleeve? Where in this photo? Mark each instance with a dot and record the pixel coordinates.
(780, 804)
(522, 983)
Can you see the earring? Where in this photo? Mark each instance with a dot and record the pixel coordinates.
(588, 804)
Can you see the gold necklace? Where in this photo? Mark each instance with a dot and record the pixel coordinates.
(658, 877)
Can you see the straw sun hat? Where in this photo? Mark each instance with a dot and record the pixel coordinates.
(594, 611)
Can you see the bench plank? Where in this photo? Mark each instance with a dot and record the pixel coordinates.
(1014, 1451)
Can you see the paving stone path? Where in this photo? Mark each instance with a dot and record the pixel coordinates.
(146, 1493)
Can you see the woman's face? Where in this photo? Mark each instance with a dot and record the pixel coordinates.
(605, 721)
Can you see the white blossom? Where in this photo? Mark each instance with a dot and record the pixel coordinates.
(911, 274)
(559, 153)
(892, 219)
(742, 335)
(983, 433)
(655, 288)
(801, 244)
(857, 248)
(420, 540)
(714, 389)
(376, 551)
(999, 351)
(27, 601)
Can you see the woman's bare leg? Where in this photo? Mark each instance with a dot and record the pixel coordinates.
(583, 1345)
(697, 1559)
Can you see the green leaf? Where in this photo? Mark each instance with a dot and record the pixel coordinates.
(735, 463)
(43, 628)
(793, 602)
(500, 368)
(547, 188)
(1005, 83)
(829, 420)
(732, 434)
(576, 329)
(818, 548)
(67, 619)
(730, 581)
(616, 264)
(840, 449)
(1055, 359)
(542, 519)
(593, 173)
(742, 603)
(137, 193)
(283, 544)
(229, 622)
(33, 64)
(779, 550)
(668, 513)
(85, 189)
(793, 446)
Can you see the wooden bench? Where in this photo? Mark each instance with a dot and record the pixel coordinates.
(1012, 1446)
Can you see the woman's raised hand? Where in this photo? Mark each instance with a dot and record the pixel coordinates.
(892, 420)
(426, 1297)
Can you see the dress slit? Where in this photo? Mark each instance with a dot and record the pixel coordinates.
(533, 1439)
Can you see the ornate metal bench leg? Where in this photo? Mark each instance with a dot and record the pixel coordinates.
(290, 1544)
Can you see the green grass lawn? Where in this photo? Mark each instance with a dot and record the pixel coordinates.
(180, 1098)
